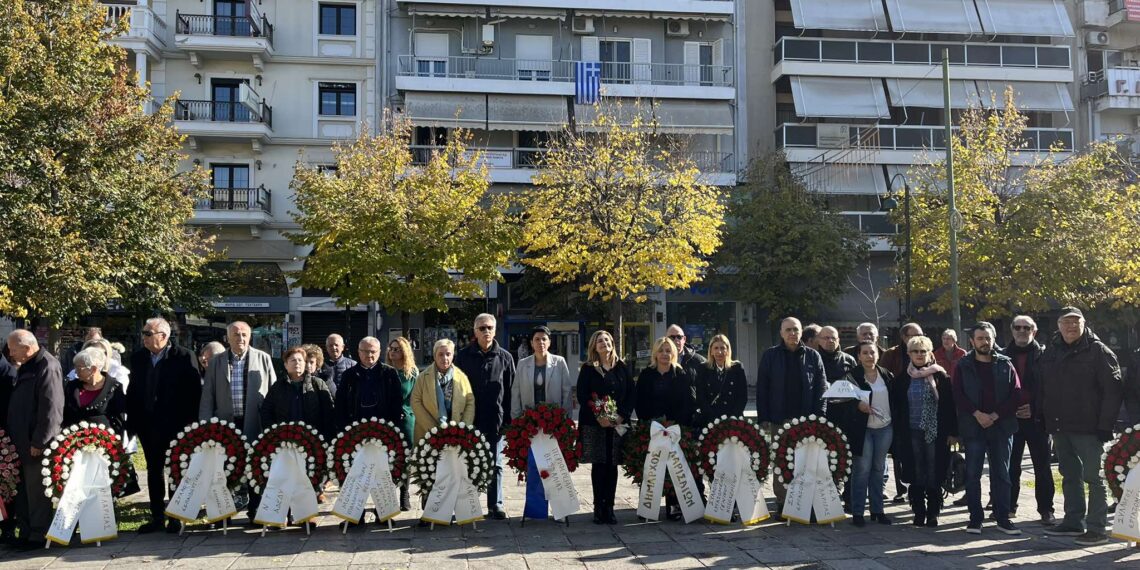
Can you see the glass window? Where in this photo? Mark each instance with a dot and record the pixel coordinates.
(957, 53)
(874, 52)
(912, 53)
(838, 50)
(983, 55)
(1019, 56)
(1052, 57)
(801, 49)
(703, 320)
(338, 19)
(337, 99)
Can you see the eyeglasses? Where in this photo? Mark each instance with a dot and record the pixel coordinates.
(1022, 328)
(393, 349)
(677, 336)
(485, 328)
(149, 334)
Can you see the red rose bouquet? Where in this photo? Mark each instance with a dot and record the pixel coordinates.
(811, 428)
(551, 420)
(365, 432)
(732, 430)
(83, 436)
(636, 447)
(213, 433)
(474, 451)
(297, 435)
(1121, 458)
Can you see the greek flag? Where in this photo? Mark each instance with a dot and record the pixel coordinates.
(587, 82)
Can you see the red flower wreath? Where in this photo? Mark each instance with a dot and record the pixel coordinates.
(349, 441)
(9, 470)
(801, 429)
(725, 429)
(285, 434)
(210, 433)
(1121, 458)
(636, 446)
(474, 451)
(60, 454)
(552, 420)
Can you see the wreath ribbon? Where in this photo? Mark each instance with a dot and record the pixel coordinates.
(287, 488)
(86, 502)
(452, 493)
(666, 456)
(369, 476)
(735, 484)
(812, 487)
(203, 482)
(1126, 523)
(558, 485)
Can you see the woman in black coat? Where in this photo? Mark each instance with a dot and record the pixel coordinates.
(665, 391)
(93, 396)
(299, 397)
(603, 375)
(721, 384)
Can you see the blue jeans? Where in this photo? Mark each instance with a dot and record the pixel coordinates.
(495, 487)
(997, 445)
(869, 469)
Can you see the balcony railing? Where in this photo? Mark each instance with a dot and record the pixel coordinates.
(469, 67)
(524, 157)
(921, 53)
(240, 199)
(909, 137)
(142, 21)
(222, 112)
(230, 26)
(871, 223)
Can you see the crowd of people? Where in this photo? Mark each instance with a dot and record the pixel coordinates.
(918, 403)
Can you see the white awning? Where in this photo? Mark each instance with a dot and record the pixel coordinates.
(446, 110)
(525, 113)
(692, 16)
(1028, 96)
(528, 13)
(929, 93)
(1025, 18)
(612, 14)
(859, 15)
(447, 11)
(944, 16)
(841, 178)
(673, 116)
(848, 97)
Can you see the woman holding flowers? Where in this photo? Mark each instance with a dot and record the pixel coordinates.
(607, 393)
(401, 358)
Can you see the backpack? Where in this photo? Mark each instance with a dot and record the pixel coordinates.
(955, 480)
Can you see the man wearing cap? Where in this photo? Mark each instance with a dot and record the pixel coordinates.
(1078, 397)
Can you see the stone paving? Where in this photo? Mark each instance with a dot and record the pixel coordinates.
(631, 544)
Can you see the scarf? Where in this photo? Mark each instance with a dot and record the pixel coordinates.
(929, 418)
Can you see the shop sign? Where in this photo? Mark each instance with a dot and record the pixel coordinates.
(242, 305)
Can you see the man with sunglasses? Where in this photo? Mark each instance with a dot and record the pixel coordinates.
(687, 356)
(161, 401)
(1026, 353)
(491, 370)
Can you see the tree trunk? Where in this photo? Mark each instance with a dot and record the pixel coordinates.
(53, 343)
(619, 330)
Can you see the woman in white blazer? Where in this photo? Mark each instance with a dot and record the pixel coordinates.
(541, 373)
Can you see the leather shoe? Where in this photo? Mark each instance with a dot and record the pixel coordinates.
(172, 526)
(611, 519)
(150, 526)
(599, 518)
(499, 515)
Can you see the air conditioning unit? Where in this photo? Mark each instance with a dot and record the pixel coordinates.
(677, 28)
(832, 136)
(1097, 38)
(582, 25)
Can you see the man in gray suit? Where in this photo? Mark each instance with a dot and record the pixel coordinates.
(236, 382)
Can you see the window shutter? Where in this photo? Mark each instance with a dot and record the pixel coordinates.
(692, 63)
(642, 60)
(590, 49)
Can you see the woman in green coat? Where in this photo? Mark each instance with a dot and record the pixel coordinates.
(401, 358)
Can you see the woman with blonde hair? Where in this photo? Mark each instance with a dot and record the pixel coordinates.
(401, 358)
(603, 377)
(665, 392)
(722, 385)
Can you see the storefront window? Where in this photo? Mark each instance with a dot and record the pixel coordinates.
(704, 320)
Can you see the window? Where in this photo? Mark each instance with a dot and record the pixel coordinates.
(231, 188)
(425, 140)
(432, 51)
(231, 18)
(226, 98)
(338, 19)
(337, 99)
(616, 56)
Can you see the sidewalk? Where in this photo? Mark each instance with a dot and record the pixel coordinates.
(549, 546)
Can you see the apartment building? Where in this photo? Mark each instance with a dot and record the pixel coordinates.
(859, 99)
(1109, 67)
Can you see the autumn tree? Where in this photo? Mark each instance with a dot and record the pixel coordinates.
(92, 205)
(1065, 230)
(784, 249)
(620, 208)
(402, 232)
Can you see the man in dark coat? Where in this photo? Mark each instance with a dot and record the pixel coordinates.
(1026, 353)
(336, 364)
(491, 370)
(35, 412)
(1078, 397)
(369, 389)
(687, 356)
(790, 383)
(162, 400)
(836, 363)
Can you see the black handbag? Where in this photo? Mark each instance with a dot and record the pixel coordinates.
(955, 479)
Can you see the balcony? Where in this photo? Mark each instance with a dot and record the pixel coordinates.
(720, 7)
(1123, 20)
(234, 206)
(225, 37)
(556, 77)
(146, 33)
(224, 121)
(1114, 90)
(892, 144)
(878, 58)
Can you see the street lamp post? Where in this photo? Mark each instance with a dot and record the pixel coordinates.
(889, 203)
